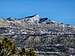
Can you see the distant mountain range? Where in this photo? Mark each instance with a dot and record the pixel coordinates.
(33, 18)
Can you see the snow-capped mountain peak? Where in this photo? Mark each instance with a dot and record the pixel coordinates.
(32, 19)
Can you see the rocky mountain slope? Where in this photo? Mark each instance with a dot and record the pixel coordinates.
(40, 33)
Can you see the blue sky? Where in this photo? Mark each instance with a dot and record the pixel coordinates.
(59, 10)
